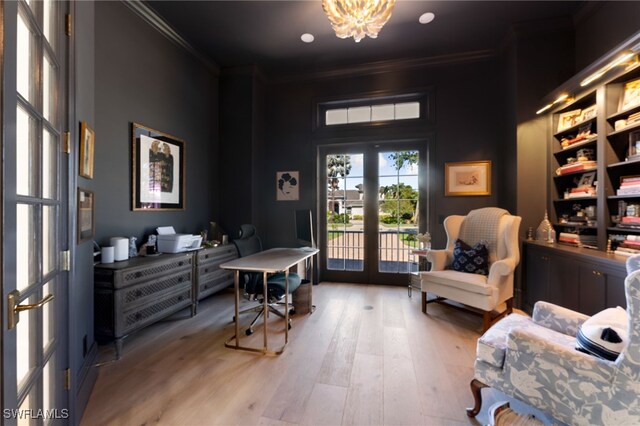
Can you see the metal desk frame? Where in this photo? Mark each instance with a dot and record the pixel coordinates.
(267, 262)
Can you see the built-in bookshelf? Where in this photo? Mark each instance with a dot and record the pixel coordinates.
(575, 166)
(596, 166)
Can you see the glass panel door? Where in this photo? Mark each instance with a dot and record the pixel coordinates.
(34, 208)
(374, 205)
(345, 212)
(398, 210)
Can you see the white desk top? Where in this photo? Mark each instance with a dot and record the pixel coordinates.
(272, 260)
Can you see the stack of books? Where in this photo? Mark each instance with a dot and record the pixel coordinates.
(576, 167)
(582, 191)
(631, 222)
(633, 118)
(629, 246)
(571, 239)
(629, 186)
(588, 241)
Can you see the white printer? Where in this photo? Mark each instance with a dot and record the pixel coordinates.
(170, 242)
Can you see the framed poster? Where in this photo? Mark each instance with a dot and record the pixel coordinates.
(287, 186)
(631, 95)
(86, 214)
(87, 139)
(467, 178)
(568, 119)
(157, 174)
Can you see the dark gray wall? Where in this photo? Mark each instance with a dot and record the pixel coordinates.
(143, 77)
(534, 49)
(82, 347)
(466, 127)
(602, 26)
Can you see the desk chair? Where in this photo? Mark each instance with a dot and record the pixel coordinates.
(249, 243)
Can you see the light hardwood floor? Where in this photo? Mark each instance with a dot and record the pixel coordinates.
(366, 356)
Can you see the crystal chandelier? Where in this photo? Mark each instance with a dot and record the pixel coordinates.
(358, 18)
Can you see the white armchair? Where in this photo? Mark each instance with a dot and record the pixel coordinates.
(482, 292)
(535, 360)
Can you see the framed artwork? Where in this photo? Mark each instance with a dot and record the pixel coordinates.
(86, 212)
(87, 139)
(588, 113)
(631, 96)
(568, 119)
(157, 171)
(587, 179)
(287, 186)
(467, 178)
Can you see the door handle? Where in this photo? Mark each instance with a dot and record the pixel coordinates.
(14, 309)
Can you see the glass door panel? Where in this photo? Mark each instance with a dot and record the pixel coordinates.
(398, 210)
(345, 213)
(26, 246)
(49, 239)
(26, 60)
(50, 150)
(26, 154)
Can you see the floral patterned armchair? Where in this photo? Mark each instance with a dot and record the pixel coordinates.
(535, 361)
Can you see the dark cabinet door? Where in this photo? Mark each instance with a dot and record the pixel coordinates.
(593, 286)
(537, 276)
(615, 289)
(564, 284)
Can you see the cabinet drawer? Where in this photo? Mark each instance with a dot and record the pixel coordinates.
(150, 313)
(149, 290)
(215, 282)
(217, 255)
(148, 273)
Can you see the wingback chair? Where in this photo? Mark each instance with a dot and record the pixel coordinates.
(535, 361)
(482, 292)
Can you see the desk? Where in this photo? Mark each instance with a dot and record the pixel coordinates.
(267, 262)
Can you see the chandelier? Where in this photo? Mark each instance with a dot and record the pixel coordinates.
(358, 18)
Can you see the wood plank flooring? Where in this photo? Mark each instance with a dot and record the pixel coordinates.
(366, 356)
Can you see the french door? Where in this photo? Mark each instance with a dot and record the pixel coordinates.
(34, 210)
(373, 204)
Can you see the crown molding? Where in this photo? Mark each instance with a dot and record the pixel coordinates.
(163, 27)
(387, 66)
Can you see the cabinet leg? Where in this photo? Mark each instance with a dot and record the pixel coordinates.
(476, 390)
(424, 301)
(118, 345)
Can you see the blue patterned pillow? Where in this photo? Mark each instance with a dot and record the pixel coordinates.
(472, 260)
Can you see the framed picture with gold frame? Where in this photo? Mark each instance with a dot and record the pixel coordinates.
(471, 178)
(87, 140)
(631, 95)
(86, 215)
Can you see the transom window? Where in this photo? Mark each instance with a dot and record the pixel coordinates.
(365, 111)
(371, 113)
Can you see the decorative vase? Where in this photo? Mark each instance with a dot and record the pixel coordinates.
(543, 233)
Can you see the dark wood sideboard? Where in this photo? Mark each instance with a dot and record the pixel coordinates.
(580, 279)
(138, 292)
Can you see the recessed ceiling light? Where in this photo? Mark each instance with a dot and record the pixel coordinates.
(307, 38)
(425, 18)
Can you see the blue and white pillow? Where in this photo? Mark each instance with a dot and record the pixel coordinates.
(472, 260)
(605, 334)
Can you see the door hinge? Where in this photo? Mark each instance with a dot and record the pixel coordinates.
(67, 379)
(67, 25)
(65, 260)
(66, 145)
